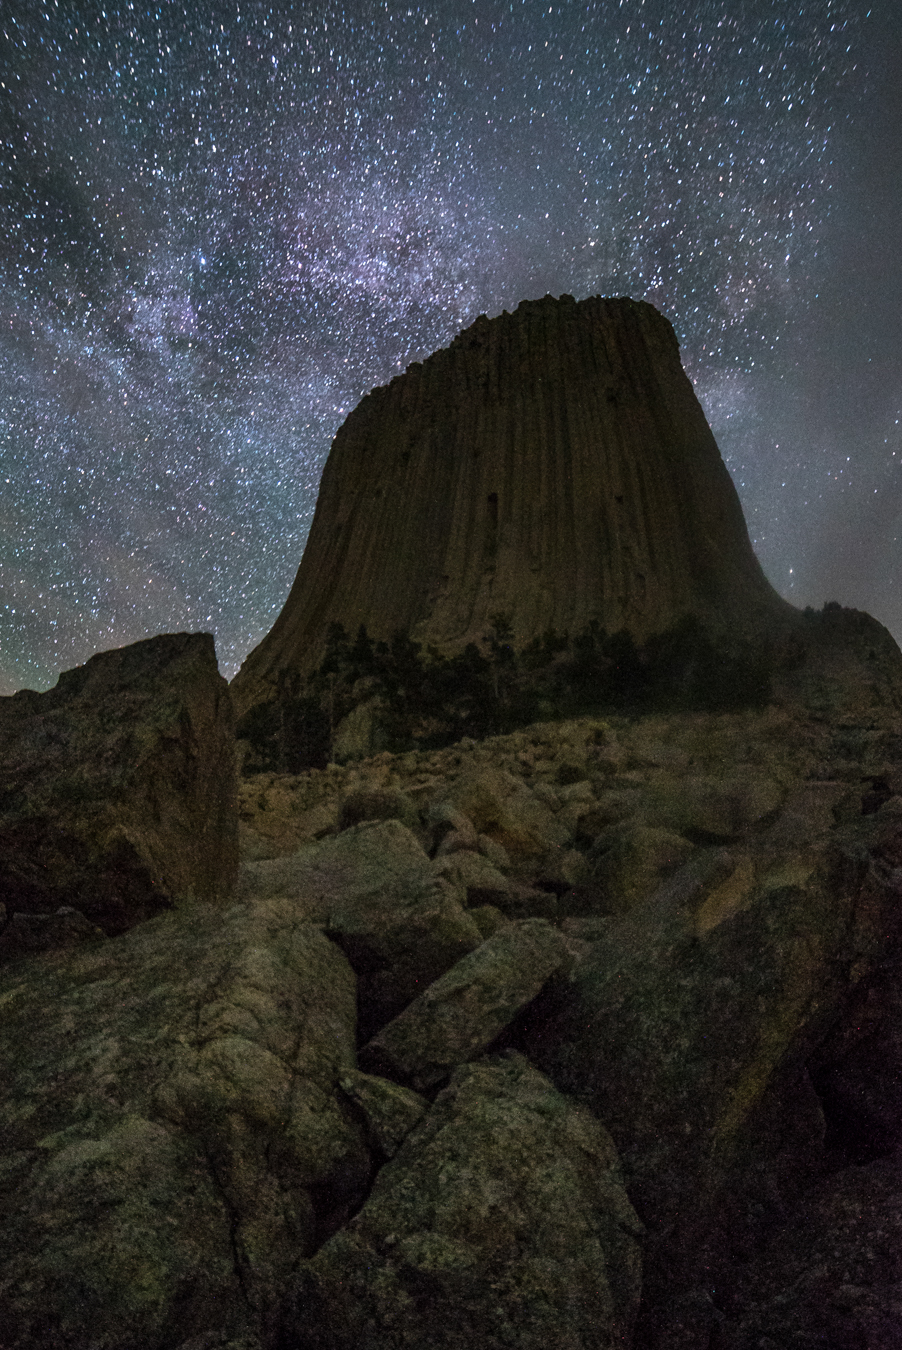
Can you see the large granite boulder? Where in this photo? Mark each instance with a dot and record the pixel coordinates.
(459, 1016)
(118, 786)
(174, 1138)
(500, 1222)
(504, 810)
(373, 889)
(691, 1028)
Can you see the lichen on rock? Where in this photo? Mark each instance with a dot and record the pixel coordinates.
(174, 1138)
(502, 1220)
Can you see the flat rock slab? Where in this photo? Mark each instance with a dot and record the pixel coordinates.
(501, 1222)
(460, 1015)
(117, 787)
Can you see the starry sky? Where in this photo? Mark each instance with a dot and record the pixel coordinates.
(221, 224)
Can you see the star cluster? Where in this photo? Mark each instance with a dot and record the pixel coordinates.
(222, 223)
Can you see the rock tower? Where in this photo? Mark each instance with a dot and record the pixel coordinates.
(552, 465)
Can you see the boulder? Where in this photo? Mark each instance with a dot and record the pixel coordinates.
(460, 1015)
(545, 793)
(504, 811)
(449, 829)
(480, 880)
(117, 786)
(628, 862)
(496, 853)
(174, 1138)
(390, 1111)
(374, 889)
(289, 811)
(715, 809)
(361, 862)
(689, 1028)
(187, 1124)
(857, 1072)
(501, 1222)
(488, 919)
(565, 871)
(831, 1277)
(376, 803)
(612, 806)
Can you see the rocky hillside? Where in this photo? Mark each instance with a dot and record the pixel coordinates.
(584, 1036)
(552, 466)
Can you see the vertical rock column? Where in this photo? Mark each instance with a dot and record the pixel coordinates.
(553, 465)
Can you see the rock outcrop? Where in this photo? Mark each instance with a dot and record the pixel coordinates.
(117, 792)
(173, 1137)
(553, 466)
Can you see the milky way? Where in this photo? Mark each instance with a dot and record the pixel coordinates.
(222, 224)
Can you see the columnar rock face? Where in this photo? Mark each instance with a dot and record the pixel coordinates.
(552, 465)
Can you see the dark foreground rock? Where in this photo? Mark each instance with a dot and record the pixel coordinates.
(501, 1221)
(387, 1097)
(117, 788)
(460, 1015)
(173, 1140)
(693, 1031)
(833, 1274)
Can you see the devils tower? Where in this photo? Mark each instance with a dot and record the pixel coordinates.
(552, 465)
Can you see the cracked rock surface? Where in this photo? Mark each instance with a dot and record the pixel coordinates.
(173, 1141)
(502, 1220)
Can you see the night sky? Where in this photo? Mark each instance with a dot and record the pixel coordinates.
(222, 224)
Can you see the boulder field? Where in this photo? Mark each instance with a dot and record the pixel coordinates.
(580, 1037)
